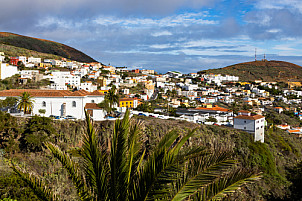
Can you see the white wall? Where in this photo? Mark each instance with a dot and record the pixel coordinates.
(252, 126)
(8, 70)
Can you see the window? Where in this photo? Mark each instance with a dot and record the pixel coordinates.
(244, 128)
(261, 126)
(257, 122)
(74, 104)
(43, 104)
(257, 128)
(92, 101)
(244, 121)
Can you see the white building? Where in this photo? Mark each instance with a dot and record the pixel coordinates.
(88, 86)
(34, 60)
(61, 79)
(252, 124)
(95, 112)
(57, 102)
(7, 70)
(23, 59)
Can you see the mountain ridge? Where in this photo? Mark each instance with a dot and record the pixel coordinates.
(262, 70)
(43, 46)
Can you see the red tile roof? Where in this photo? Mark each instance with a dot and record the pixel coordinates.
(92, 106)
(45, 93)
(216, 108)
(255, 117)
(244, 111)
(126, 99)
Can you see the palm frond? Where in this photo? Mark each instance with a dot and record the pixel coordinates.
(72, 170)
(183, 141)
(118, 159)
(36, 184)
(200, 175)
(230, 183)
(95, 163)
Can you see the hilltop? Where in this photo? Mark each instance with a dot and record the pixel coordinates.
(28, 46)
(264, 70)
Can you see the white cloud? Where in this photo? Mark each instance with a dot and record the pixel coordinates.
(279, 4)
(162, 33)
(274, 30)
(174, 20)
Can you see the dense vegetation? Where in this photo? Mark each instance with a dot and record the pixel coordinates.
(263, 70)
(277, 158)
(43, 46)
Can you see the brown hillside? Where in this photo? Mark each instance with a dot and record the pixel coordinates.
(264, 70)
(44, 46)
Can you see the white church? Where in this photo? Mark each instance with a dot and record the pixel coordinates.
(58, 102)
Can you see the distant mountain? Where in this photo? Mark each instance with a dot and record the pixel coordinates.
(28, 46)
(264, 70)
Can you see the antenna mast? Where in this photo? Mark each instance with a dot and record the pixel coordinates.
(255, 54)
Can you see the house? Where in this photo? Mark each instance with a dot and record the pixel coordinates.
(95, 112)
(128, 102)
(57, 102)
(278, 109)
(252, 124)
(34, 60)
(244, 112)
(88, 86)
(283, 127)
(14, 61)
(296, 132)
(23, 59)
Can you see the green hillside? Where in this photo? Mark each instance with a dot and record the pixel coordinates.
(21, 140)
(23, 45)
(264, 70)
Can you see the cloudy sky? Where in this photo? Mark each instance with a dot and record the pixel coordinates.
(183, 35)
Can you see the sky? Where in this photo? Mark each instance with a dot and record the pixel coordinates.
(183, 35)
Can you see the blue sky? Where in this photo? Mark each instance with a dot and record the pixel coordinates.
(183, 35)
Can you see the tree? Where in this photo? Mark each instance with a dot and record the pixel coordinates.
(121, 169)
(6, 59)
(20, 65)
(8, 102)
(25, 103)
(112, 97)
(105, 105)
(38, 131)
(42, 111)
(212, 119)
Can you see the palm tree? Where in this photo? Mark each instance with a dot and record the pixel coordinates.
(112, 97)
(25, 102)
(121, 169)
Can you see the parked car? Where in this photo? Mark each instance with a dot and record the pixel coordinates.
(70, 117)
(141, 114)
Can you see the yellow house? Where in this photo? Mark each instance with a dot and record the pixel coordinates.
(128, 102)
(207, 105)
(45, 65)
(103, 91)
